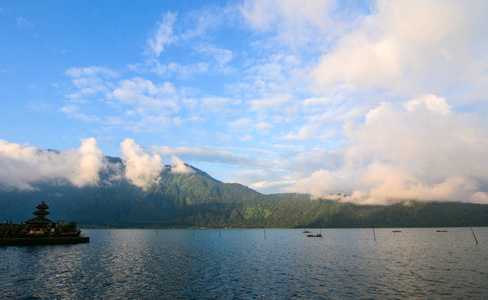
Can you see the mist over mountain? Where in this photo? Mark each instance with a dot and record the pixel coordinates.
(184, 196)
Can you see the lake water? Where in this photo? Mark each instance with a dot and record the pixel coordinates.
(244, 264)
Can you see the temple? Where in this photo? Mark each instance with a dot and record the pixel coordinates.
(40, 223)
(40, 231)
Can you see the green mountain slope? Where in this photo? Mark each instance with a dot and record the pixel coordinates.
(197, 199)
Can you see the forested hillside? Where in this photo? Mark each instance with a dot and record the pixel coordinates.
(198, 200)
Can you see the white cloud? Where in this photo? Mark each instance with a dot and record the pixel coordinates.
(241, 123)
(24, 165)
(221, 56)
(179, 166)
(246, 138)
(199, 22)
(91, 80)
(90, 162)
(74, 111)
(264, 127)
(206, 106)
(297, 22)
(141, 169)
(145, 94)
(171, 69)
(269, 186)
(423, 151)
(222, 137)
(279, 104)
(147, 105)
(410, 47)
(142, 104)
(23, 23)
(266, 180)
(306, 133)
(211, 155)
(91, 72)
(428, 103)
(163, 36)
(40, 106)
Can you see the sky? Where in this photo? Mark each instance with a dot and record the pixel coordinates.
(363, 101)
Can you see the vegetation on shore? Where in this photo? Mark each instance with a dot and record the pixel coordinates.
(198, 200)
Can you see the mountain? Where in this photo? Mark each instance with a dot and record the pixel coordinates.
(197, 200)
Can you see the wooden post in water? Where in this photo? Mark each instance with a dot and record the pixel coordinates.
(374, 234)
(265, 232)
(473, 233)
(220, 234)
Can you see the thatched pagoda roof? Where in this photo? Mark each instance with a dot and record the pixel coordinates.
(38, 221)
(42, 206)
(40, 215)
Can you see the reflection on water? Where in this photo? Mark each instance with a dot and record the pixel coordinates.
(346, 263)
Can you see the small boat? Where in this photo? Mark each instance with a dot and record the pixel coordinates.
(306, 231)
(441, 231)
(314, 235)
(396, 231)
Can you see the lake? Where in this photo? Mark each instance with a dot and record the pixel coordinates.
(252, 264)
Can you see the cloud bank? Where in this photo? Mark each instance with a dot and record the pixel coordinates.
(409, 46)
(144, 170)
(178, 166)
(141, 169)
(23, 165)
(420, 151)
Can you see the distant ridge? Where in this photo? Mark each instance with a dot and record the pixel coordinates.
(198, 200)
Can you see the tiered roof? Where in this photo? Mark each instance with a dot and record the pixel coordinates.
(41, 214)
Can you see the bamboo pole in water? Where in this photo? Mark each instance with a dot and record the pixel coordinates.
(374, 234)
(473, 233)
(220, 234)
(264, 232)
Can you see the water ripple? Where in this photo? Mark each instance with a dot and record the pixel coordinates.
(242, 264)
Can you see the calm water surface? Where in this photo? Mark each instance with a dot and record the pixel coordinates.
(243, 264)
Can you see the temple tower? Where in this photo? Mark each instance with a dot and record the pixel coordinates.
(40, 221)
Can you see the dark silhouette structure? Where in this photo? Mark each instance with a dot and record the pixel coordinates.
(40, 231)
(40, 222)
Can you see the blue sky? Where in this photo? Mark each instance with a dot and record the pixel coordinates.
(378, 100)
